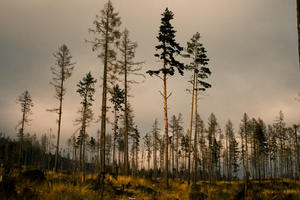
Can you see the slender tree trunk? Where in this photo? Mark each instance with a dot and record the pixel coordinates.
(98, 149)
(133, 159)
(191, 129)
(83, 128)
(59, 117)
(166, 129)
(173, 158)
(177, 147)
(148, 160)
(154, 153)
(275, 168)
(136, 158)
(196, 129)
(246, 152)
(119, 158)
(297, 149)
(83, 156)
(126, 115)
(227, 157)
(114, 142)
(104, 94)
(80, 150)
(22, 135)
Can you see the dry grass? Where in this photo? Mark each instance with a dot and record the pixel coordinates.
(67, 186)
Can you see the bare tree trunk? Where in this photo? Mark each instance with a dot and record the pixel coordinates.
(126, 117)
(196, 129)
(172, 151)
(114, 142)
(83, 156)
(246, 167)
(191, 129)
(59, 118)
(154, 153)
(177, 147)
(104, 94)
(166, 129)
(136, 159)
(22, 135)
(133, 160)
(297, 150)
(80, 150)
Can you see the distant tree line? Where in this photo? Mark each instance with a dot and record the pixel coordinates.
(256, 151)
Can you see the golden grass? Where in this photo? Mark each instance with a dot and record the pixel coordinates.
(61, 186)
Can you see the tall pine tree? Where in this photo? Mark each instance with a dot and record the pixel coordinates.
(26, 104)
(86, 90)
(128, 67)
(197, 53)
(168, 48)
(61, 72)
(106, 32)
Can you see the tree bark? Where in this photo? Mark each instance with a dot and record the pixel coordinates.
(191, 128)
(84, 136)
(297, 149)
(246, 167)
(104, 94)
(166, 129)
(136, 157)
(126, 115)
(22, 135)
(59, 116)
(172, 153)
(177, 147)
(114, 142)
(154, 152)
(196, 130)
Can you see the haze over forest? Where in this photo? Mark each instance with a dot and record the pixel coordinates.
(251, 46)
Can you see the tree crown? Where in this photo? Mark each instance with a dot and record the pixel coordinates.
(168, 47)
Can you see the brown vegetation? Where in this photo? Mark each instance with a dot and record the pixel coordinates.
(35, 184)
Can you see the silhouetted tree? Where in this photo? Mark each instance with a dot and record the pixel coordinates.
(147, 143)
(127, 67)
(62, 70)
(155, 139)
(231, 149)
(168, 48)
(135, 149)
(106, 32)
(213, 147)
(295, 131)
(245, 128)
(280, 128)
(272, 146)
(197, 53)
(26, 104)
(117, 99)
(86, 90)
(260, 151)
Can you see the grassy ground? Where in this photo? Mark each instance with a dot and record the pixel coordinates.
(67, 186)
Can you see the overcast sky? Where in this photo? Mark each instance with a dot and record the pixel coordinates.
(252, 46)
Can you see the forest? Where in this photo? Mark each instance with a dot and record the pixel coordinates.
(200, 159)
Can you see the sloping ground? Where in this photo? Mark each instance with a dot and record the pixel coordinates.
(34, 184)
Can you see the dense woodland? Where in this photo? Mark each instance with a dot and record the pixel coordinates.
(169, 151)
